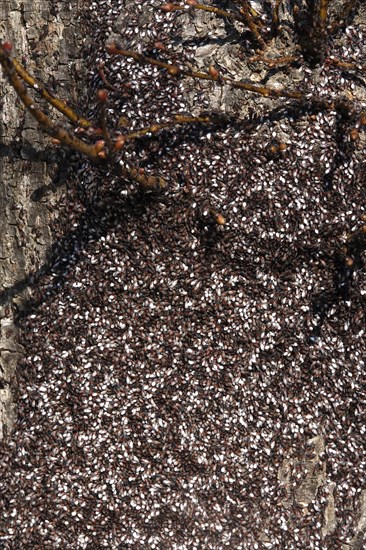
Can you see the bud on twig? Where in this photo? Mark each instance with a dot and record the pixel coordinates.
(167, 7)
(102, 95)
(218, 217)
(7, 47)
(120, 143)
(354, 134)
(99, 145)
(111, 48)
(213, 72)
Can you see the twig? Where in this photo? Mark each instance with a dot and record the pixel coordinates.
(59, 134)
(63, 136)
(246, 15)
(245, 10)
(154, 128)
(152, 183)
(175, 70)
(318, 32)
(104, 78)
(275, 15)
(60, 105)
(323, 13)
(346, 65)
(102, 97)
(285, 60)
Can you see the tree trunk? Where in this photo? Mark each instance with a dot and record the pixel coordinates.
(45, 38)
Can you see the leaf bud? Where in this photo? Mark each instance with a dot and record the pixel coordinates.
(102, 95)
(213, 72)
(7, 46)
(167, 7)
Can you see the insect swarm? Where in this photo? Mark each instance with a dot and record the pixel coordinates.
(178, 377)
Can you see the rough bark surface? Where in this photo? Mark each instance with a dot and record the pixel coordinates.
(45, 38)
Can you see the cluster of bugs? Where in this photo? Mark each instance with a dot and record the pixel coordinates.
(313, 30)
(168, 378)
(314, 27)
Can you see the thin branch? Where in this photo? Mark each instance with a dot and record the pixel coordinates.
(252, 11)
(102, 97)
(63, 136)
(60, 105)
(318, 32)
(275, 15)
(103, 77)
(150, 183)
(346, 65)
(154, 128)
(274, 62)
(323, 14)
(175, 70)
(246, 15)
(153, 183)
(246, 12)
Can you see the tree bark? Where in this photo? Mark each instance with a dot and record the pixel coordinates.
(44, 36)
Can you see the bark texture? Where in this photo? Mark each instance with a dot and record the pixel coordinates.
(45, 39)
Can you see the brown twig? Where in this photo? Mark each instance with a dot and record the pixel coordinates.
(323, 14)
(246, 15)
(275, 15)
(102, 97)
(150, 183)
(318, 31)
(60, 105)
(175, 70)
(154, 128)
(59, 134)
(246, 12)
(63, 136)
(346, 65)
(103, 77)
(274, 62)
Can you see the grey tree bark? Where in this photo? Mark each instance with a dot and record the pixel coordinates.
(44, 35)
